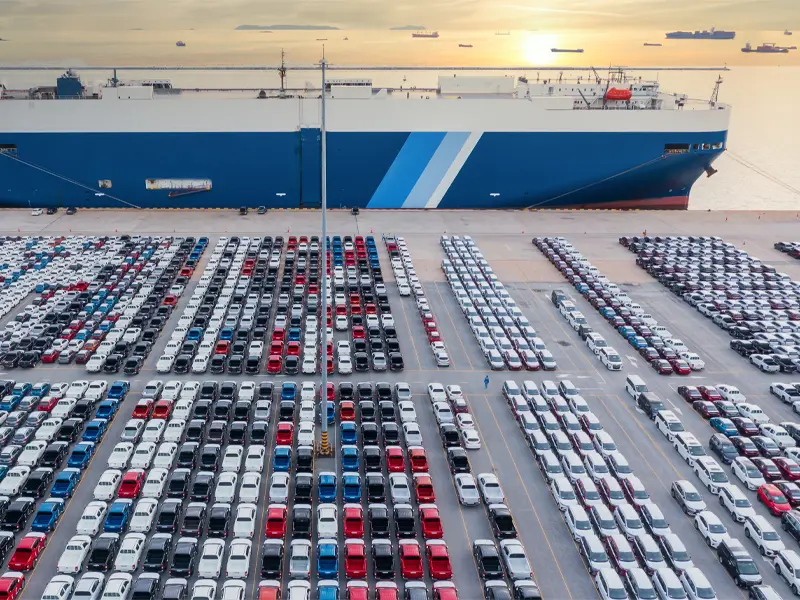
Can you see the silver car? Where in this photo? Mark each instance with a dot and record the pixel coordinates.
(490, 489)
(279, 488)
(467, 490)
(515, 560)
(300, 561)
(399, 488)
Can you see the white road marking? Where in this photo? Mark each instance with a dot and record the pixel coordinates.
(675, 406)
(639, 410)
(632, 360)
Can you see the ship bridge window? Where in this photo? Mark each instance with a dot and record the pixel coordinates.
(706, 146)
(8, 149)
(716, 146)
(676, 148)
(696, 147)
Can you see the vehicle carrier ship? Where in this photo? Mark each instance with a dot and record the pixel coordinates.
(481, 142)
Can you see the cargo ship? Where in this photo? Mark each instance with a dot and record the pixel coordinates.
(651, 44)
(180, 44)
(472, 142)
(465, 45)
(425, 34)
(575, 50)
(712, 34)
(765, 48)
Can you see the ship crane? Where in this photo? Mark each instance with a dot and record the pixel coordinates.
(715, 94)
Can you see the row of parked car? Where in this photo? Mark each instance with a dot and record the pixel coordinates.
(622, 535)
(503, 333)
(790, 248)
(49, 437)
(758, 306)
(757, 460)
(665, 353)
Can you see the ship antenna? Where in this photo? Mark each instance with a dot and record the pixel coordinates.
(715, 93)
(282, 73)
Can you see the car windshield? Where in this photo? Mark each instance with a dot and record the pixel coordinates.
(654, 556)
(778, 498)
(770, 536)
(706, 593)
(598, 556)
(681, 555)
(716, 528)
(718, 477)
(746, 567)
(742, 503)
(627, 556)
(676, 593)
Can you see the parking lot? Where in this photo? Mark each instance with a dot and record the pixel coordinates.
(529, 278)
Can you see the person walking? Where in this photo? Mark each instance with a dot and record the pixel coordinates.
(486, 383)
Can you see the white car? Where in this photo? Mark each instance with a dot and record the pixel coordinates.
(63, 408)
(154, 483)
(14, 480)
(238, 565)
(232, 459)
(118, 586)
(244, 525)
(305, 434)
(736, 503)
(308, 391)
(143, 515)
(787, 566)
(77, 388)
(345, 365)
(307, 411)
(199, 363)
(165, 455)
(48, 429)
(309, 368)
(164, 363)
(746, 472)
(764, 535)
(710, 527)
(765, 363)
(436, 393)
(174, 431)
(250, 486)
(95, 363)
(172, 390)
(91, 521)
(96, 389)
(327, 522)
(120, 456)
(247, 389)
(210, 562)
(32, 453)
(454, 393)
(182, 410)
(143, 455)
(467, 489)
(225, 491)
(730, 393)
(563, 493)
(74, 555)
(412, 434)
(753, 412)
(278, 488)
(254, 459)
(785, 392)
(774, 432)
(107, 485)
(710, 474)
(465, 421)
(154, 430)
(694, 361)
(130, 552)
(470, 439)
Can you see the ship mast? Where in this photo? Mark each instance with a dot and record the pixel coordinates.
(282, 74)
(715, 94)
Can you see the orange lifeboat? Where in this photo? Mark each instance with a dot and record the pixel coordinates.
(615, 94)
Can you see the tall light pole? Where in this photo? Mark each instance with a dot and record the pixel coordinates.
(325, 449)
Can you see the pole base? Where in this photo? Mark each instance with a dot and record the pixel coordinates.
(324, 448)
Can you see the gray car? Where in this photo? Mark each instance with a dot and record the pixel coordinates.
(399, 488)
(279, 488)
(515, 560)
(133, 431)
(490, 489)
(495, 360)
(466, 489)
(403, 391)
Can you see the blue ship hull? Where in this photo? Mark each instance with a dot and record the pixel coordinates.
(365, 169)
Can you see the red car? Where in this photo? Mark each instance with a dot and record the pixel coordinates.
(276, 521)
(285, 434)
(131, 485)
(279, 334)
(445, 590)
(689, 393)
(395, 460)
(276, 348)
(353, 521)
(788, 467)
(438, 559)
(431, 522)
(423, 488)
(170, 300)
(789, 489)
(162, 409)
(222, 348)
(705, 408)
(661, 366)
(681, 367)
(418, 459)
(434, 336)
(50, 356)
(143, 409)
(355, 561)
(709, 392)
(11, 585)
(587, 493)
(772, 498)
(28, 551)
(411, 560)
(745, 426)
(529, 360)
(358, 332)
(293, 349)
(347, 411)
(745, 446)
(47, 403)
(769, 470)
(274, 364)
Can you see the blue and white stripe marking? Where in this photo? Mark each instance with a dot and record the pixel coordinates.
(424, 169)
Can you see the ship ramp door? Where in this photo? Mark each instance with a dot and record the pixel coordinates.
(310, 168)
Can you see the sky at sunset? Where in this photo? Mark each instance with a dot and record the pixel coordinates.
(145, 31)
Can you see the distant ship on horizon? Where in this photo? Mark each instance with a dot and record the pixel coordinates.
(180, 44)
(651, 44)
(765, 48)
(425, 34)
(787, 32)
(465, 45)
(502, 33)
(706, 34)
(575, 50)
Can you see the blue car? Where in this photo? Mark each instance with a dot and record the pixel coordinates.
(282, 458)
(294, 333)
(194, 334)
(328, 589)
(327, 558)
(3, 471)
(348, 433)
(226, 334)
(22, 389)
(10, 402)
(48, 515)
(118, 516)
(326, 486)
(608, 312)
(626, 330)
(289, 391)
(81, 455)
(118, 389)
(65, 483)
(40, 389)
(724, 426)
(95, 430)
(331, 412)
(351, 486)
(107, 409)
(349, 458)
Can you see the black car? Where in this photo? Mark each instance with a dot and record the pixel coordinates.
(502, 522)
(303, 487)
(196, 431)
(178, 484)
(187, 455)
(182, 564)
(738, 563)
(404, 524)
(17, 514)
(259, 433)
(38, 483)
(367, 410)
(6, 543)
(194, 520)
(291, 365)
(167, 521)
(265, 390)
(219, 520)
(790, 523)
(487, 559)
(391, 433)
(238, 433)
(304, 459)
(376, 487)
(457, 460)
(133, 365)
(202, 487)
(272, 558)
(156, 557)
(449, 435)
(103, 552)
(723, 448)
(650, 404)
(201, 410)
(383, 559)
(216, 435)
(112, 363)
(372, 457)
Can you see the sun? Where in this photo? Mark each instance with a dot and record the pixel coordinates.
(535, 48)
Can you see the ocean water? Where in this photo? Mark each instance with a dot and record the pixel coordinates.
(759, 171)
